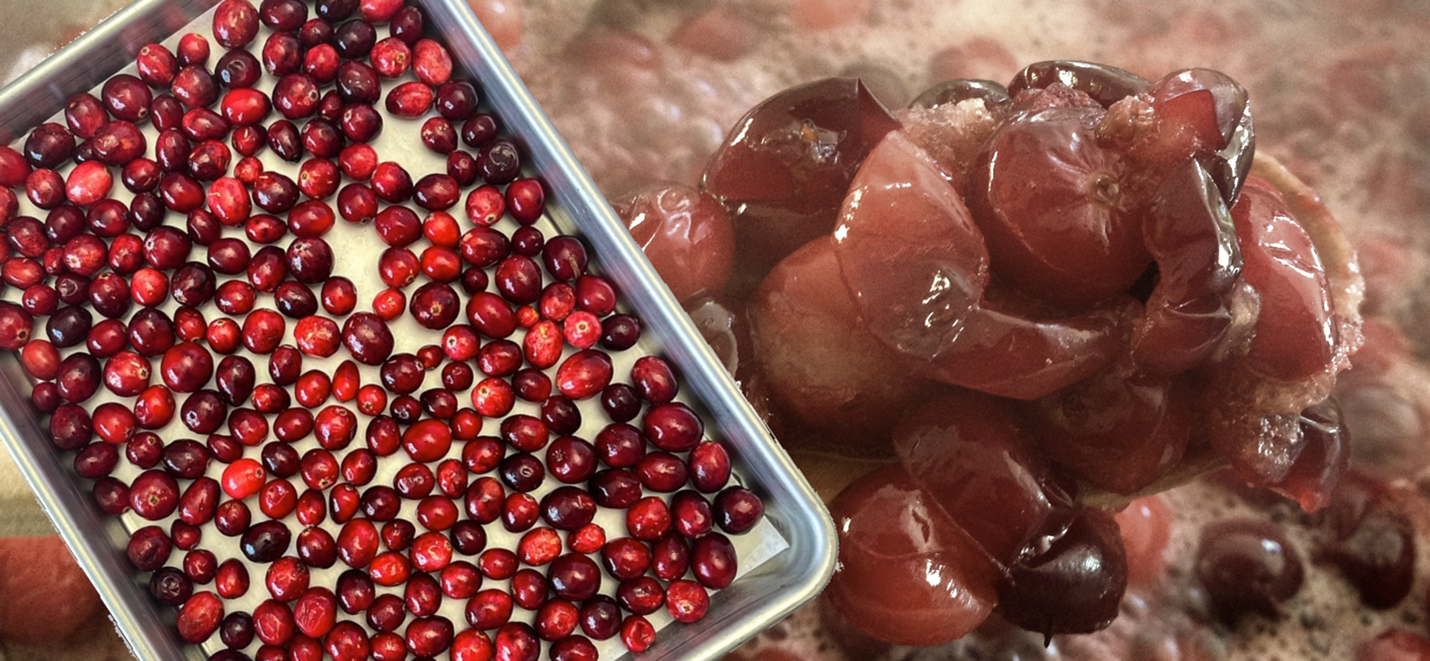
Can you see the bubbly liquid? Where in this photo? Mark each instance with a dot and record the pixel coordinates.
(1340, 94)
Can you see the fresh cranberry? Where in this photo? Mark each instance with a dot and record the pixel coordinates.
(200, 617)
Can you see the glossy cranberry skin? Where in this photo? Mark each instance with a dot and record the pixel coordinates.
(154, 495)
(429, 636)
(238, 69)
(568, 508)
(195, 87)
(315, 612)
(127, 98)
(571, 460)
(642, 595)
(235, 23)
(1253, 556)
(619, 332)
(315, 546)
(499, 162)
(199, 617)
(615, 488)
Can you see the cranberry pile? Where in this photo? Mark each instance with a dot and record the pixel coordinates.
(364, 493)
(1033, 300)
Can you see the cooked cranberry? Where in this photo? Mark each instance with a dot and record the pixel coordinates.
(154, 495)
(1248, 566)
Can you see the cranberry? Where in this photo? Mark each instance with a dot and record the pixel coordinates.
(431, 62)
(195, 87)
(480, 130)
(200, 617)
(571, 460)
(149, 548)
(274, 192)
(615, 488)
(687, 601)
(522, 472)
(1254, 557)
(429, 636)
(456, 102)
(642, 595)
(439, 136)
(170, 586)
(50, 145)
(315, 612)
(499, 162)
(588, 372)
(517, 641)
(238, 69)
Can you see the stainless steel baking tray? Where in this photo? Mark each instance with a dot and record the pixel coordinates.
(759, 598)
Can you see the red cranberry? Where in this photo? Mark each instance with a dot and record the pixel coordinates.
(297, 96)
(200, 617)
(600, 617)
(714, 561)
(439, 136)
(195, 87)
(149, 548)
(673, 427)
(499, 162)
(687, 601)
(641, 595)
(238, 69)
(615, 488)
(738, 509)
(423, 593)
(709, 466)
(571, 460)
(235, 23)
(315, 612)
(127, 98)
(556, 619)
(588, 372)
(282, 54)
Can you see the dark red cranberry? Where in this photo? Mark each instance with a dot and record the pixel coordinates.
(480, 130)
(127, 98)
(235, 23)
(238, 69)
(195, 87)
(50, 145)
(355, 39)
(499, 162)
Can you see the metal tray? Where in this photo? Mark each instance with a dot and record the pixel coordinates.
(757, 599)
